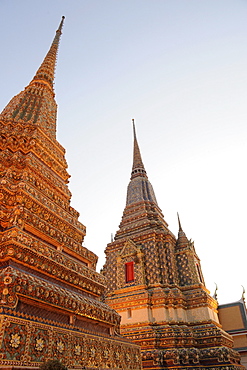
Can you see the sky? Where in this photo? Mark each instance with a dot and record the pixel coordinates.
(179, 68)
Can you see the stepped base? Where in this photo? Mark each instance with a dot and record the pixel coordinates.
(184, 346)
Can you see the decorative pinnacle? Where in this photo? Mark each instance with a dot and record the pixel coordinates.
(61, 24)
(45, 73)
(243, 294)
(215, 292)
(138, 167)
(182, 238)
(179, 223)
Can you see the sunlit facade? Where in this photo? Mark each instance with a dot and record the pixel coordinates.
(51, 303)
(156, 284)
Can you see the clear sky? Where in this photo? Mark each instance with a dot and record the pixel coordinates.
(179, 67)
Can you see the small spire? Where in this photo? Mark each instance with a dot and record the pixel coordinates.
(138, 167)
(45, 73)
(243, 294)
(215, 295)
(179, 223)
(182, 238)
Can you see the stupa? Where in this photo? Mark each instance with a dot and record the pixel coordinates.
(49, 288)
(155, 283)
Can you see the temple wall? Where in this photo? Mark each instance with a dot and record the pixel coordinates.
(137, 315)
(162, 314)
(201, 314)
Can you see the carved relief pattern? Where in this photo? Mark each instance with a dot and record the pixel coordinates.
(151, 263)
(188, 349)
(140, 189)
(26, 138)
(37, 214)
(130, 252)
(13, 342)
(40, 344)
(40, 189)
(180, 357)
(14, 283)
(45, 256)
(170, 264)
(34, 105)
(162, 263)
(72, 348)
(186, 267)
(110, 270)
(19, 161)
(184, 270)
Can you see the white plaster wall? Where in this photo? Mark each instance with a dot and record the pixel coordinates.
(137, 315)
(171, 314)
(180, 314)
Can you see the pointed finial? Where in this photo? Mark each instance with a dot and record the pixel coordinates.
(243, 294)
(134, 128)
(61, 24)
(179, 223)
(138, 167)
(215, 292)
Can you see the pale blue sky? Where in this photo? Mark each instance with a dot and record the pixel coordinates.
(179, 67)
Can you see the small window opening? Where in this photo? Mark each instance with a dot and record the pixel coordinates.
(129, 313)
(129, 272)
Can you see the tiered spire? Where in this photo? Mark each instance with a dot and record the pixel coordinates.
(142, 211)
(36, 104)
(156, 284)
(139, 189)
(50, 290)
(182, 238)
(45, 73)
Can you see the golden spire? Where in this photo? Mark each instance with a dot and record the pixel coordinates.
(138, 167)
(36, 104)
(46, 72)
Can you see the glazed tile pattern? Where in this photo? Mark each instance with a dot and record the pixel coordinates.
(167, 309)
(50, 292)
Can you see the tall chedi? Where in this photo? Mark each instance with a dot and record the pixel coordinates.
(155, 283)
(49, 289)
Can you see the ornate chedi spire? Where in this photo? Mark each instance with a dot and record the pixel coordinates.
(155, 283)
(36, 104)
(142, 210)
(189, 271)
(49, 288)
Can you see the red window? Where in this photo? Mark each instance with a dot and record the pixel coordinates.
(129, 272)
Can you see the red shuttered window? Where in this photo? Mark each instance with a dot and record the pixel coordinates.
(129, 272)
